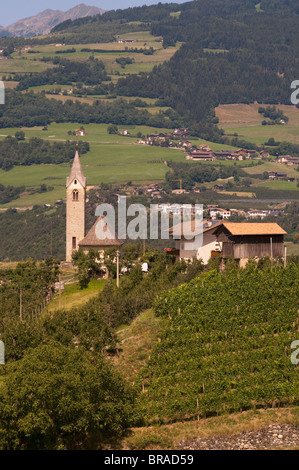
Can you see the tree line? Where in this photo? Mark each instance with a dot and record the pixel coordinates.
(37, 151)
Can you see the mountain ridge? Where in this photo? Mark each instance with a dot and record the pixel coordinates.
(43, 22)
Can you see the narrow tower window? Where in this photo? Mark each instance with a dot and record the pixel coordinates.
(75, 195)
(74, 243)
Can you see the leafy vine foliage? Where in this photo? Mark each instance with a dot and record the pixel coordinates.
(227, 346)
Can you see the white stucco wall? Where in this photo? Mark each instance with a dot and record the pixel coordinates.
(204, 252)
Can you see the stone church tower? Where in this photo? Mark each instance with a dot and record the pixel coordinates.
(75, 207)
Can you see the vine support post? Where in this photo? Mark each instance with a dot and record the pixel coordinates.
(117, 268)
(285, 256)
(21, 305)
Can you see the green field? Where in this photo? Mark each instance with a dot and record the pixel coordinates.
(22, 65)
(244, 120)
(272, 166)
(30, 62)
(74, 296)
(96, 133)
(111, 159)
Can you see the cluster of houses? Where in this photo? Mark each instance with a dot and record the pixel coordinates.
(176, 139)
(279, 175)
(18, 50)
(288, 160)
(152, 190)
(215, 212)
(205, 153)
(125, 41)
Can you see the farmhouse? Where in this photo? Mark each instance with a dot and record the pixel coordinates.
(277, 175)
(202, 156)
(288, 160)
(181, 132)
(243, 241)
(256, 214)
(80, 132)
(219, 213)
(188, 249)
(218, 187)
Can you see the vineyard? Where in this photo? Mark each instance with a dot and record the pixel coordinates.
(227, 347)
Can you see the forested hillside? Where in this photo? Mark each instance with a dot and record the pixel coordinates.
(232, 52)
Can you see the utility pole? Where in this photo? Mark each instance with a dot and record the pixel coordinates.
(285, 256)
(117, 268)
(60, 300)
(271, 247)
(51, 247)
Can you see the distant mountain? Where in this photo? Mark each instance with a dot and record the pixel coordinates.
(46, 20)
(4, 32)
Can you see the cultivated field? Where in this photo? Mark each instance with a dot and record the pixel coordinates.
(245, 120)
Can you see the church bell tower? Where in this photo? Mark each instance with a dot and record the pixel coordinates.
(75, 207)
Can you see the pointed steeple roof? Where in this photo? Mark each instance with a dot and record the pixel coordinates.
(92, 239)
(76, 172)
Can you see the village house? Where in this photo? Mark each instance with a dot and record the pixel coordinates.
(276, 175)
(181, 132)
(125, 41)
(218, 187)
(202, 156)
(223, 154)
(257, 214)
(205, 148)
(288, 160)
(264, 154)
(218, 213)
(186, 248)
(80, 132)
(185, 144)
(245, 241)
(124, 132)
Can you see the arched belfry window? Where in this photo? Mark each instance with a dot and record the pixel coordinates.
(75, 195)
(75, 182)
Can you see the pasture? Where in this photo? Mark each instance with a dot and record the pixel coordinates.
(111, 159)
(245, 120)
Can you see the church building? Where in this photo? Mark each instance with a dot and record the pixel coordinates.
(76, 237)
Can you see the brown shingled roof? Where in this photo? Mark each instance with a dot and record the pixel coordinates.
(254, 228)
(91, 238)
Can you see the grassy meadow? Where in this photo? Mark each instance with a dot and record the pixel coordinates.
(246, 121)
(111, 159)
(28, 62)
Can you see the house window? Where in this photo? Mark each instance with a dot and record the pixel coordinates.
(75, 195)
(74, 243)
